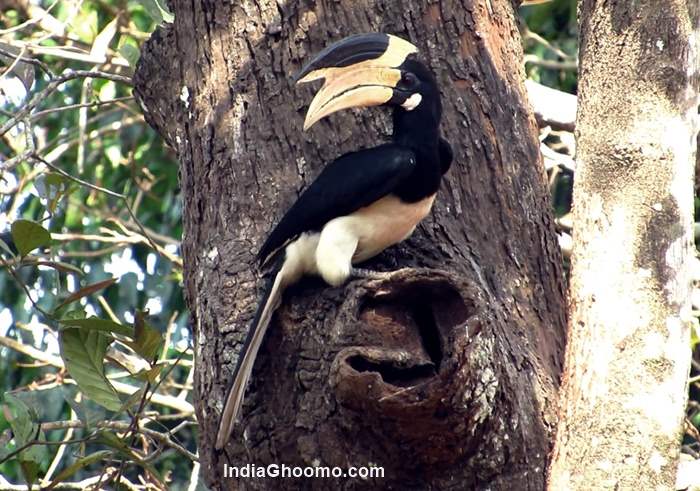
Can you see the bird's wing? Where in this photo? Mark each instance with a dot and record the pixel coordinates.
(348, 183)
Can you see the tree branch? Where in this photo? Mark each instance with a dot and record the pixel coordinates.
(52, 86)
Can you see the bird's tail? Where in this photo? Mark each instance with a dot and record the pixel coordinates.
(246, 359)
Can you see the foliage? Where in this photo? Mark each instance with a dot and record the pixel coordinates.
(92, 323)
(550, 39)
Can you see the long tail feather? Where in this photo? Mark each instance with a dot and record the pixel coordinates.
(268, 304)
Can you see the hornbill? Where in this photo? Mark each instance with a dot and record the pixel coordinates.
(364, 201)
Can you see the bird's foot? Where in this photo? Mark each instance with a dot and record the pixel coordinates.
(368, 274)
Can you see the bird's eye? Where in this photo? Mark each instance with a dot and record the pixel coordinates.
(409, 80)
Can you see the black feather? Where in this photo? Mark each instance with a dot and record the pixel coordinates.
(348, 183)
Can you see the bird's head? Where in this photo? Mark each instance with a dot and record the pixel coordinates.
(370, 70)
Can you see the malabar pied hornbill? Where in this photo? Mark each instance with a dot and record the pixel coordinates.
(364, 201)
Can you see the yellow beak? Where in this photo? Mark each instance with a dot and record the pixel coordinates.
(368, 81)
(363, 87)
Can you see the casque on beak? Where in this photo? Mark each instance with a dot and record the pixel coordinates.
(358, 71)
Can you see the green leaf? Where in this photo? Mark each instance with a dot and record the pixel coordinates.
(77, 313)
(49, 185)
(5, 438)
(57, 265)
(147, 340)
(150, 375)
(21, 419)
(87, 290)
(30, 470)
(83, 352)
(87, 411)
(32, 260)
(52, 187)
(133, 399)
(114, 154)
(29, 235)
(158, 11)
(108, 91)
(131, 53)
(97, 324)
(696, 420)
(80, 464)
(25, 429)
(85, 24)
(55, 179)
(113, 441)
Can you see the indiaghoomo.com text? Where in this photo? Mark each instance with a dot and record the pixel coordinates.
(287, 471)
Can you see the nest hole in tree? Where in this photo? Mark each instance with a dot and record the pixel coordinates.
(400, 365)
(429, 308)
(405, 334)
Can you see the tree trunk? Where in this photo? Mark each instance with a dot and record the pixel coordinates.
(628, 355)
(480, 289)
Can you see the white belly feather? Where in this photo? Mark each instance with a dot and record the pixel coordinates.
(365, 233)
(352, 239)
(384, 223)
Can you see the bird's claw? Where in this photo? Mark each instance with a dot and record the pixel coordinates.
(368, 274)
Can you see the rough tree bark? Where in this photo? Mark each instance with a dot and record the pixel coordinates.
(628, 355)
(339, 379)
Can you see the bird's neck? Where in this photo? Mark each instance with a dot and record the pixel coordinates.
(417, 128)
(419, 132)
